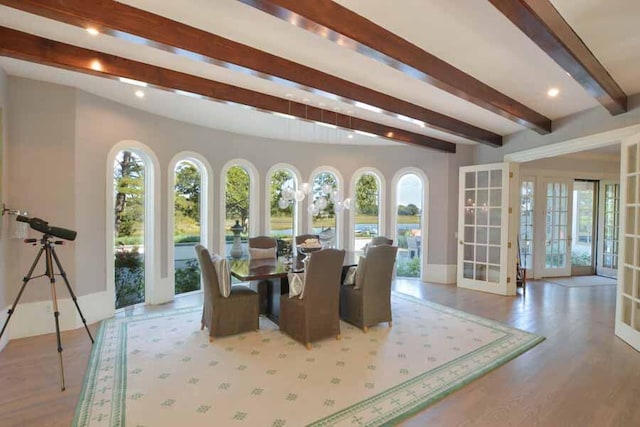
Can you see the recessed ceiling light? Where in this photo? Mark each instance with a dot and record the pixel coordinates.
(140, 94)
(553, 92)
(92, 31)
(96, 65)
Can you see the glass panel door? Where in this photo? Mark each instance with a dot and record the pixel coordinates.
(628, 301)
(583, 228)
(609, 221)
(558, 200)
(527, 188)
(484, 249)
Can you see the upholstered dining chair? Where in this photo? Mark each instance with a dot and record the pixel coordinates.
(303, 237)
(225, 316)
(263, 242)
(381, 240)
(315, 315)
(259, 248)
(370, 304)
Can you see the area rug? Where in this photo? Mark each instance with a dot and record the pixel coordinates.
(160, 370)
(582, 281)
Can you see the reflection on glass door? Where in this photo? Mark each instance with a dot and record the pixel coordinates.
(526, 223)
(582, 228)
(486, 257)
(609, 225)
(557, 233)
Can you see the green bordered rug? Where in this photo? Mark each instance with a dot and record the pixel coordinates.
(160, 370)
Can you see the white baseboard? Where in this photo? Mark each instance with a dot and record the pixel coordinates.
(440, 273)
(36, 318)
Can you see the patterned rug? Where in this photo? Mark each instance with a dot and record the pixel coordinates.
(160, 370)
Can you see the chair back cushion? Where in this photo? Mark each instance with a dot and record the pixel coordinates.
(360, 272)
(263, 242)
(302, 237)
(381, 240)
(259, 253)
(223, 273)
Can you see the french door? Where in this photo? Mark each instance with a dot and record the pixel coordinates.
(628, 302)
(487, 227)
(557, 236)
(608, 228)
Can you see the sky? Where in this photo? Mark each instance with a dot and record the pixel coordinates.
(410, 190)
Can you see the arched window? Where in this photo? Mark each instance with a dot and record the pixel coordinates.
(367, 208)
(323, 208)
(190, 219)
(281, 208)
(410, 190)
(132, 224)
(240, 206)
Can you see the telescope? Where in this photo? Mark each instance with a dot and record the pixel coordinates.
(44, 227)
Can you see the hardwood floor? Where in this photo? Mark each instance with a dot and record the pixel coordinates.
(581, 375)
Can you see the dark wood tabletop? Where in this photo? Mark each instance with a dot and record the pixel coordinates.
(246, 269)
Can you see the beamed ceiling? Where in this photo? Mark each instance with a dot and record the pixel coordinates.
(428, 73)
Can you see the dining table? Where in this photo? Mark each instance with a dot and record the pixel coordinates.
(274, 273)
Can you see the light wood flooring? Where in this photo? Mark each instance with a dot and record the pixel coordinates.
(581, 375)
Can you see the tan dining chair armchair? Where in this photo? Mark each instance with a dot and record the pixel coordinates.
(315, 315)
(263, 242)
(381, 240)
(262, 286)
(225, 316)
(371, 303)
(303, 237)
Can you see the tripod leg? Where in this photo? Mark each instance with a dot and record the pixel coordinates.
(73, 296)
(25, 280)
(56, 313)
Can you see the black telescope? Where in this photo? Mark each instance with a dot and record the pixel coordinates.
(43, 226)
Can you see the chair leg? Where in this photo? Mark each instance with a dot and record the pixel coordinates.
(365, 329)
(390, 323)
(339, 337)
(308, 345)
(202, 326)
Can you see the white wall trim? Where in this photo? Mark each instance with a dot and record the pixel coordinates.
(297, 208)
(36, 318)
(206, 205)
(440, 273)
(424, 226)
(152, 219)
(382, 197)
(254, 199)
(584, 143)
(538, 172)
(339, 215)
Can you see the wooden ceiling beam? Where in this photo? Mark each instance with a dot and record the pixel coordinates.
(335, 22)
(544, 25)
(19, 45)
(126, 22)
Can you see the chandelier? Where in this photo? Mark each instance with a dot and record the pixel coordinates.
(289, 195)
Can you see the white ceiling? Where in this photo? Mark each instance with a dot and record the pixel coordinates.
(469, 34)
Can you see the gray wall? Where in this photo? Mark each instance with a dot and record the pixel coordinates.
(593, 121)
(41, 156)
(61, 138)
